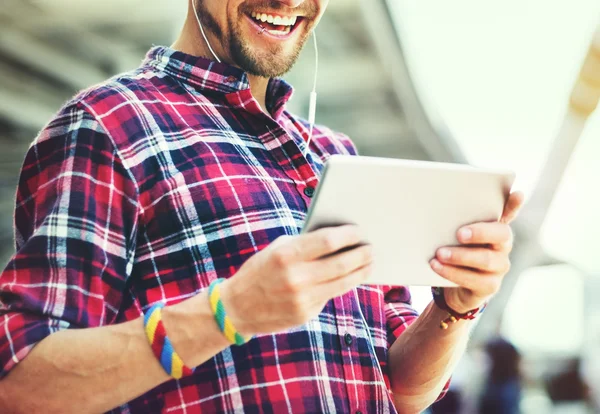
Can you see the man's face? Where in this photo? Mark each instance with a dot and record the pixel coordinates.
(263, 37)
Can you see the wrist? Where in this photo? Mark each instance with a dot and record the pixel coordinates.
(440, 298)
(462, 301)
(192, 330)
(231, 295)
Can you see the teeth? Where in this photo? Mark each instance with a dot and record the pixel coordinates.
(280, 32)
(276, 20)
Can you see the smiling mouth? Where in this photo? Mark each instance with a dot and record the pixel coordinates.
(275, 24)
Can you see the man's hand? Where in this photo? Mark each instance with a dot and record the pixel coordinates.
(290, 281)
(479, 265)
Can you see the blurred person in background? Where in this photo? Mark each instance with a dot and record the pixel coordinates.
(590, 365)
(568, 390)
(185, 183)
(502, 389)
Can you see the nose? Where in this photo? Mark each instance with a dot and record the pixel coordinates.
(291, 3)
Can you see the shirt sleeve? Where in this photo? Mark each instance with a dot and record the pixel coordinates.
(400, 315)
(75, 218)
(399, 312)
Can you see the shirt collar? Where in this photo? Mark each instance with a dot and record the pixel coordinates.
(206, 75)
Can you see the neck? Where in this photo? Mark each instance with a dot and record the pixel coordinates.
(190, 41)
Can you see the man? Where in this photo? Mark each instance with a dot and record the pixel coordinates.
(152, 186)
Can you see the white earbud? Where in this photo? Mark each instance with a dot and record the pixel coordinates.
(312, 105)
(204, 34)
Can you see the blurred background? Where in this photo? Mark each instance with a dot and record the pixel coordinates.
(485, 83)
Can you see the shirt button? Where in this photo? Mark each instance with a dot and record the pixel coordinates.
(309, 192)
(348, 339)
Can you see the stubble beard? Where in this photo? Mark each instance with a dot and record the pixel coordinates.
(272, 64)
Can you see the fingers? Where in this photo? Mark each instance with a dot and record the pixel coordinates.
(513, 206)
(497, 234)
(319, 243)
(478, 258)
(341, 264)
(343, 285)
(482, 285)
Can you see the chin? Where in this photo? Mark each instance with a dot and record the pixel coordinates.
(266, 63)
(267, 50)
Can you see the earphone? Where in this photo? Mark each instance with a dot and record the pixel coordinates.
(312, 110)
(312, 106)
(204, 34)
(369, 338)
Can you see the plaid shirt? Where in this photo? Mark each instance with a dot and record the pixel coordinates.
(148, 187)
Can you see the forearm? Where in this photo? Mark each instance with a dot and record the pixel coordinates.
(76, 370)
(422, 358)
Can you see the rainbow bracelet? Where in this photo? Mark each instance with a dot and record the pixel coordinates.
(225, 324)
(161, 345)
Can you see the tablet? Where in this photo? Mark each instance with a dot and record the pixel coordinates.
(406, 209)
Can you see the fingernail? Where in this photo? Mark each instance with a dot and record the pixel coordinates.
(466, 234)
(436, 265)
(445, 253)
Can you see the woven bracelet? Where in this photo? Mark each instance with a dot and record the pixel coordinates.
(161, 345)
(223, 321)
(453, 316)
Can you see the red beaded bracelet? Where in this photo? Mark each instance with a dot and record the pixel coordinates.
(453, 316)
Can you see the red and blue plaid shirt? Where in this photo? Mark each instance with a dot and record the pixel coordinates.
(145, 189)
